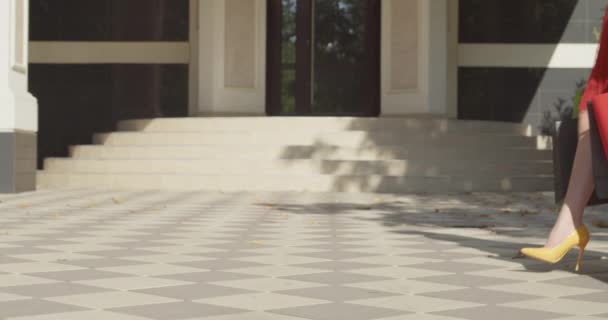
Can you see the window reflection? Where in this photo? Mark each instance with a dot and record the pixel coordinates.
(340, 56)
(288, 56)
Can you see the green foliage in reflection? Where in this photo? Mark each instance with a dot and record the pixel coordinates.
(340, 56)
(340, 61)
(288, 57)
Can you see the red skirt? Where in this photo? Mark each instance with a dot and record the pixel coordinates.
(600, 112)
(598, 81)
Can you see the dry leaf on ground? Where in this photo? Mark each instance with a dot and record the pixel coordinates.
(598, 223)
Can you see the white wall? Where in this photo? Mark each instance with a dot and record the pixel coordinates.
(414, 57)
(18, 108)
(438, 52)
(232, 57)
(452, 59)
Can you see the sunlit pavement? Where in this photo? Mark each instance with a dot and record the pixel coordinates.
(85, 254)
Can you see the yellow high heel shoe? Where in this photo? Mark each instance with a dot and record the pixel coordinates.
(580, 238)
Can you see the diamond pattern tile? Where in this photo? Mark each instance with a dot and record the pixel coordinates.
(261, 301)
(480, 296)
(131, 255)
(500, 313)
(52, 290)
(337, 293)
(563, 306)
(177, 311)
(22, 308)
(193, 291)
(334, 311)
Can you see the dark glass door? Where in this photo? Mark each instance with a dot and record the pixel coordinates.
(323, 57)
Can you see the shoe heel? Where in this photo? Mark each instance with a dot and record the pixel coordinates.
(583, 241)
(581, 252)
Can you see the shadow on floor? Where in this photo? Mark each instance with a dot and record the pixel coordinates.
(522, 220)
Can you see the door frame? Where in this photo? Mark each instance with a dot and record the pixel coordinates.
(193, 66)
(304, 65)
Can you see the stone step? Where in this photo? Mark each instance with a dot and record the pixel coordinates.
(422, 168)
(346, 139)
(390, 155)
(327, 152)
(312, 183)
(429, 125)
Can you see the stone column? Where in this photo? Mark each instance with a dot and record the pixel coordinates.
(414, 57)
(18, 108)
(232, 57)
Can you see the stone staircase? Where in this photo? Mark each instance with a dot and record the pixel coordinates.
(385, 155)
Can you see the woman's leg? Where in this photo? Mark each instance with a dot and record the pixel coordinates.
(580, 188)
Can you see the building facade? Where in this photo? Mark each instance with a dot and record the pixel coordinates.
(92, 63)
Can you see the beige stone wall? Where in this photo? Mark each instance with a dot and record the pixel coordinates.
(404, 45)
(405, 57)
(239, 44)
(232, 57)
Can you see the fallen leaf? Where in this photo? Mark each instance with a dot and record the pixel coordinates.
(518, 255)
(603, 224)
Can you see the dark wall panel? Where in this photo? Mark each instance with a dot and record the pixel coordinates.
(76, 101)
(109, 20)
(530, 21)
(537, 96)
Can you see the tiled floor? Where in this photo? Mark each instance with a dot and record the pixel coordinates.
(237, 256)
